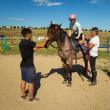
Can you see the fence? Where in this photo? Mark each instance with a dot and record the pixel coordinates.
(14, 42)
(105, 45)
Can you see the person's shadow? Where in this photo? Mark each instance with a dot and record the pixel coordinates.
(79, 69)
(107, 72)
(37, 83)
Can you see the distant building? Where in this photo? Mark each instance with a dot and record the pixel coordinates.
(40, 38)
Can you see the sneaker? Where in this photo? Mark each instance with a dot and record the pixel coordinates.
(23, 97)
(89, 80)
(69, 84)
(31, 100)
(64, 82)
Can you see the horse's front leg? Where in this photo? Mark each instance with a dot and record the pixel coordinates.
(85, 59)
(69, 71)
(65, 70)
(65, 73)
(68, 74)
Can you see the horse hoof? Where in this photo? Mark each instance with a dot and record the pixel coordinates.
(64, 82)
(69, 84)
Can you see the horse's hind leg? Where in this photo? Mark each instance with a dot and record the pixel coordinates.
(86, 64)
(85, 61)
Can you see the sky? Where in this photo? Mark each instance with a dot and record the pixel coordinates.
(37, 13)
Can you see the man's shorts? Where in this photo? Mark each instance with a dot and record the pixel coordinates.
(28, 74)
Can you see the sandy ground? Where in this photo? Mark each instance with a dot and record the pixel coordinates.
(52, 94)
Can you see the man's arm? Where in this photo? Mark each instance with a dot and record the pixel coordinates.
(38, 46)
(90, 46)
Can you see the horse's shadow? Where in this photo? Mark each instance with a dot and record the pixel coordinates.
(79, 69)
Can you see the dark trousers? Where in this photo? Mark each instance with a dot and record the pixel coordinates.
(93, 68)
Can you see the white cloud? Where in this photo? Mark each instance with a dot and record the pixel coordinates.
(54, 4)
(96, 1)
(47, 3)
(16, 19)
(93, 1)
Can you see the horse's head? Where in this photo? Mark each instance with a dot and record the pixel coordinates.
(52, 33)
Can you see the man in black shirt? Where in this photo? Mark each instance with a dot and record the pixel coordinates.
(28, 71)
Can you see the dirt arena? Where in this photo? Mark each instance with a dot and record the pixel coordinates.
(52, 94)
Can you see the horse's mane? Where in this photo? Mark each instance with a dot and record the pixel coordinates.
(62, 35)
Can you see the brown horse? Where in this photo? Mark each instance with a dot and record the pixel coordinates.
(65, 49)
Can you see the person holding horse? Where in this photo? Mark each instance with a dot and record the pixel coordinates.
(93, 50)
(28, 71)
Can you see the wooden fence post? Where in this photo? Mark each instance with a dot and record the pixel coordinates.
(10, 39)
(108, 41)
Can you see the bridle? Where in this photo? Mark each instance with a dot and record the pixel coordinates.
(59, 44)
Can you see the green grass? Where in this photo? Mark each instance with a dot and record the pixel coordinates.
(50, 51)
(15, 51)
(104, 54)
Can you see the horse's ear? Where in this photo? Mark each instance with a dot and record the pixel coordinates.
(60, 25)
(51, 23)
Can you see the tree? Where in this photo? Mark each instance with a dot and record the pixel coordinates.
(105, 30)
(100, 30)
(86, 29)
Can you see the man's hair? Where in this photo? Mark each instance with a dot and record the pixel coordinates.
(95, 29)
(26, 31)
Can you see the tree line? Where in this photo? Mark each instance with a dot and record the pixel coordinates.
(21, 27)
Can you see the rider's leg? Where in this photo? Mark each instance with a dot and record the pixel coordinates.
(74, 43)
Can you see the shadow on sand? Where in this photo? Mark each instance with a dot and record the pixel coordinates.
(75, 69)
(37, 83)
(107, 72)
(79, 69)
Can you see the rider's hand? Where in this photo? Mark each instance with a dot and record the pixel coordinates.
(70, 33)
(81, 42)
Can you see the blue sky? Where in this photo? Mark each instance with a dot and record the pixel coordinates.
(40, 12)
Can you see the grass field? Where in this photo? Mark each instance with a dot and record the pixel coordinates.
(39, 32)
(42, 32)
